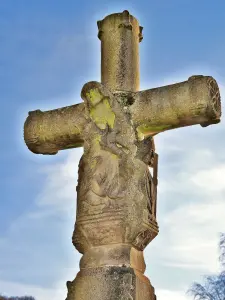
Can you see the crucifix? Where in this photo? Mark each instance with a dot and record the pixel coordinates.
(116, 193)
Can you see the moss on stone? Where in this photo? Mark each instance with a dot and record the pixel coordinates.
(102, 114)
(114, 156)
(94, 96)
(97, 139)
(150, 129)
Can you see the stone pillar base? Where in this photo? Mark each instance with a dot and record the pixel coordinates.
(110, 283)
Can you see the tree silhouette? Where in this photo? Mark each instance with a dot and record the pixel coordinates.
(213, 287)
(222, 251)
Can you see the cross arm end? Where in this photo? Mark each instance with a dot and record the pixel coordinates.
(195, 101)
(50, 131)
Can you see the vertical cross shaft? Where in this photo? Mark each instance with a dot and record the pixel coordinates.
(116, 196)
(120, 35)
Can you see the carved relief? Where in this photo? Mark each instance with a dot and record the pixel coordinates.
(104, 170)
(146, 153)
(113, 171)
(215, 94)
(103, 184)
(143, 239)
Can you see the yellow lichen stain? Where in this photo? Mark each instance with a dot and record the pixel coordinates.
(94, 96)
(96, 140)
(43, 134)
(93, 163)
(102, 114)
(146, 130)
(114, 156)
(118, 145)
(96, 143)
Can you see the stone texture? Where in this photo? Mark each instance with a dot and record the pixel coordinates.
(110, 283)
(120, 35)
(116, 193)
(50, 131)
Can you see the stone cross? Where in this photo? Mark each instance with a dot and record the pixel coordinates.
(116, 193)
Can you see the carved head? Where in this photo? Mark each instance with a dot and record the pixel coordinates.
(98, 105)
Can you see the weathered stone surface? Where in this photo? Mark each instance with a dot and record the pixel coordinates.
(195, 101)
(116, 193)
(50, 131)
(110, 283)
(120, 35)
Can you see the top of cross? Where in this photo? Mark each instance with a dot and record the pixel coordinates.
(120, 35)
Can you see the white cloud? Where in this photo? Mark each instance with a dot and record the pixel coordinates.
(193, 233)
(212, 180)
(191, 207)
(59, 191)
(47, 227)
(171, 295)
(194, 197)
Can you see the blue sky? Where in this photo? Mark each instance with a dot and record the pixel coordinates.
(49, 49)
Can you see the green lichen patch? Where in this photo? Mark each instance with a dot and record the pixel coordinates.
(102, 114)
(94, 96)
(97, 139)
(146, 130)
(114, 156)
